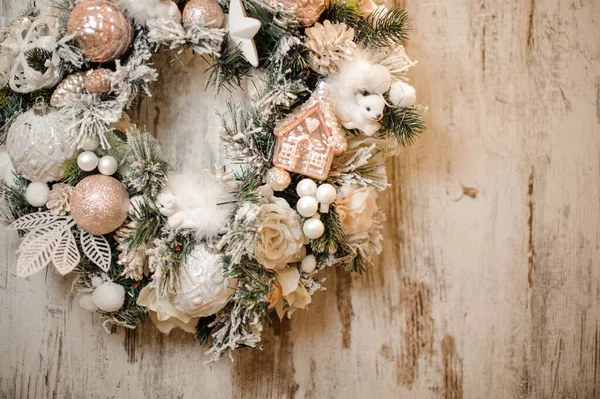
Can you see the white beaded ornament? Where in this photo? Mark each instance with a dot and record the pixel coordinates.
(38, 144)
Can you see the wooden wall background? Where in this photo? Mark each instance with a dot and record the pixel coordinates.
(489, 286)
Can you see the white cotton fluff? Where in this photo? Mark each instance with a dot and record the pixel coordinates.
(402, 94)
(196, 201)
(109, 296)
(143, 11)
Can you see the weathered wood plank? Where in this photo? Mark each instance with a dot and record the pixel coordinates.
(490, 281)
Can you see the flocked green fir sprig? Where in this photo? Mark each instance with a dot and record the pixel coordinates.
(403, 124)
(382, 28)
(339, 11)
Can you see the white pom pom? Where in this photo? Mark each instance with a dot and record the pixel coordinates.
(37, 194)
(96, 281)
(402, 94)
(86, 302)
(109, 296)
(377, 79)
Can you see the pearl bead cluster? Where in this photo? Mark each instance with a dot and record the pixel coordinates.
(308, 205)
(88, 160)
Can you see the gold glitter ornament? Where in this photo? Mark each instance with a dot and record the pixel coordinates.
(97, 81)
(68, 90)
(308, 11)
(208, 12)
(101, 30)
(99, 204)
(279, 179)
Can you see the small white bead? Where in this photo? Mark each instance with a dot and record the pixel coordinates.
(313, 228)
(309, 264)
(37, 193)
(307, 206)
(87, 161)
(108, 165)
(90, 143)
(306, 188)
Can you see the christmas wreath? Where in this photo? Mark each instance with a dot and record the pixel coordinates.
(211, 252)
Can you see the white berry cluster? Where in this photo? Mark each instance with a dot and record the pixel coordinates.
(88, 160)
(308, 205)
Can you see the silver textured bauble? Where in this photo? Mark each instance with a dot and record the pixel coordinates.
(208, 12)
(38, 144)
(279, 179)
(203, 289)
(68, 90)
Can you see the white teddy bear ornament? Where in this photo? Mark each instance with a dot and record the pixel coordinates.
(365, 115)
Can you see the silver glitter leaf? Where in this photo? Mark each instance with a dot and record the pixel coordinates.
(97, 249)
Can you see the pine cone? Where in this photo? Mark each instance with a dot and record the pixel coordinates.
(134, 259)
(58, 200)
(330, 45)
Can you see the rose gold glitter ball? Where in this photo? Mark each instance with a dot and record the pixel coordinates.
(101, 30)
(99, 204)
(97, 81)
(308, 11)
(208, 12)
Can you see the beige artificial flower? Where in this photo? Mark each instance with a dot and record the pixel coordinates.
(163, 314)
(292, 291)
(279, 238)
(356, 208)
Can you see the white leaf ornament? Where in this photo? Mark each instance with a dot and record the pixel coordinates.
(97, 249)
(34, 221)
(66, 255)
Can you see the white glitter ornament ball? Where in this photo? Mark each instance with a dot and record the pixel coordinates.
(402, 94)
(279, 179)
(87, 161)
(38, 145)
(109, 296)
(37, 194)
(108, 165)
(86, 301)
(313, 228)
(306, 188)
(203, 289)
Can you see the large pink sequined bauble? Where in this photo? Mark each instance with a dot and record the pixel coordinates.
(99, 204)
(101, 30)
(308, 11)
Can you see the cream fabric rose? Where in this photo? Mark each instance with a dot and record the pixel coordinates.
(163, 314)
(356, 208)
(291, 290)
(279, 238)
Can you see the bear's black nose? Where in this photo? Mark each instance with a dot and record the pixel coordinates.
(379, 115)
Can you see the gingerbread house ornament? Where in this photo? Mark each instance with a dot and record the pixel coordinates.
(309, 137)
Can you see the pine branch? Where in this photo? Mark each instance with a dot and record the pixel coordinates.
(13, 203)
(36, 59)
(227, 71)
(405, 124)
(203, 329)
(383, 27)
(332, 237)
(148, 222)
(338, 11)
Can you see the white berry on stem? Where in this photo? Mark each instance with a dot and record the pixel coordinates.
(307, 206)
(87, 161)
(306, 188)
(313, 228)
(108, 165)
(326, 194)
